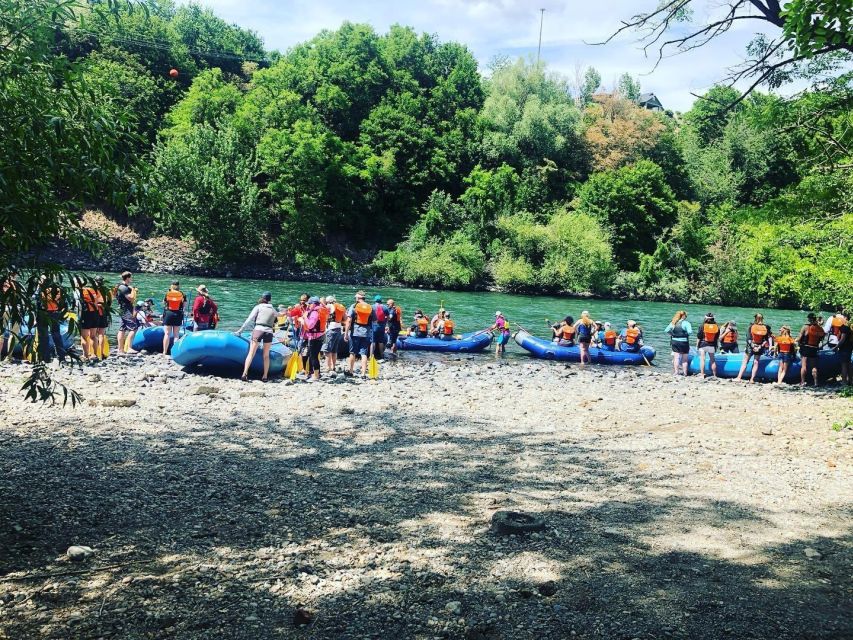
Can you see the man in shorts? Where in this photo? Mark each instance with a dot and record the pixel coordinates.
(359, 323)
(126, 297)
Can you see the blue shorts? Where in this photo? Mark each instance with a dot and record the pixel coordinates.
(379, 335)
(503, 339)
(359, 346)
(786, 357)
(332, 341)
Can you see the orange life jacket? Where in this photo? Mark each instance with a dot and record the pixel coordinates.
(632, 335)
(711, 332)
(835, 327)
(340, 312)
(174, 300)
(448, 327)
(362, 313)
(730, 337)
(323, 312)
(89, 296)
(423, 324)
(610, 338)
(758, 333)
(785, 343)
(51, 298)
(568, 332)
(814, 334)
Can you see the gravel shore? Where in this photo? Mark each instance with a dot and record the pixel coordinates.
(672, 508)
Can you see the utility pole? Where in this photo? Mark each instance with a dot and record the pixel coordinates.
(539, 50)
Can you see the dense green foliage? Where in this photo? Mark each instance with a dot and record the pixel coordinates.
(393, 145)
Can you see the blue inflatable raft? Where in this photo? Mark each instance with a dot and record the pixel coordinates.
(542, 348)
(151, 338)
(25, 332)
(226, 352)
(828, 366)
(468, 343)
(728, 365)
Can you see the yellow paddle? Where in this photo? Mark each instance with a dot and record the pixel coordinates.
(105, 348)
(292, 367)
(372, 368)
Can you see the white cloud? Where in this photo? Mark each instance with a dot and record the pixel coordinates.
(509, 27)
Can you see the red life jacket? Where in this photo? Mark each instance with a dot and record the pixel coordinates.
(448, 327)
(379, 310)
(568, 332)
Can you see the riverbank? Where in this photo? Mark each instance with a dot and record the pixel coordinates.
(215, 508)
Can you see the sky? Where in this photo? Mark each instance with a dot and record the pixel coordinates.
(511, 28)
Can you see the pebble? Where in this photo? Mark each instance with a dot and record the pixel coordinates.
(78, 553)
(812, 553)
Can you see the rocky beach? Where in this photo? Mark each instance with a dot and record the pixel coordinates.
(205, 507)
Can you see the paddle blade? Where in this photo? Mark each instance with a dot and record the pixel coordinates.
(105, 350)
(372, 368)
(290, 370)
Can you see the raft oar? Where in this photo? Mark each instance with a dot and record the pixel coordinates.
(372, 366)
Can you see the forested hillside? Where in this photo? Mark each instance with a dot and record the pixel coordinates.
(395, 149)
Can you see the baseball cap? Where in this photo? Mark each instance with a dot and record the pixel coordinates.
(266, 295)
(377, 298)
(632, 323)
(498, 313)
(313, 300)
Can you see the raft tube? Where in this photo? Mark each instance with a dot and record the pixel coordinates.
(17, 350)
(468, 343)
(542, 348)
(151, 338)
(728, 365)
(225, 352)
(828, 366)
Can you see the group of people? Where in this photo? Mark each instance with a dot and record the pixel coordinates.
(586, 333)
(834, 333)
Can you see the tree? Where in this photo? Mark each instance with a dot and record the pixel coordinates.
(63, 143)
(628, 87)
(635, 203)
(587, 86)
(804, 30)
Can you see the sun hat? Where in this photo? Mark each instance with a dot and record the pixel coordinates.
(632, 323)
(498, 313)
(266, 295)
(360, 294)
(201, 288)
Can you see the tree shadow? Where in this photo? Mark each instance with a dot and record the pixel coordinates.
(379, 525)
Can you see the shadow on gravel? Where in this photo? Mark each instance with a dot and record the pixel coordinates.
(379, 526)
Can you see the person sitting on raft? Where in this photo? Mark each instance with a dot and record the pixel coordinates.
(706, 341)
(446, 327)
(759, 339)
(564, 333)
(811, 335)
(584, 330)
(597, 335)
(608, 338)
(630, 338)
(728, 338)
(261, 320)
(204, 310)
(420, 327)
(437, 319)
(784, 349)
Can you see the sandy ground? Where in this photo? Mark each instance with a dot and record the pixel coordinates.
(221, 509)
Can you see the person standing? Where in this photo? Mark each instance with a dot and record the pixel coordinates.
(679, 331)
(126, 298)
(101, 340)
(759, 339)
(785, 348)
(314, 330)
(584, 329)
(811, 335)
(360, 318)
(334, 332)
(502, 327)
(91, 308)
(844, 347)
(261, 321)
(52, 307)
(174, 306)
(204, 310)
(380, 326)
(395, 324)
(707, 341)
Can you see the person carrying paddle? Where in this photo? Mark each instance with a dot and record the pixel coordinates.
(502, 327)
(102, 346)
(126, 298)
(204, 310)
(174, 305)
(759, 338)
(261, 321)
(358, 333)
(809, 340)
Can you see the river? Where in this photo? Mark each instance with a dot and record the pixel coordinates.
(471, 310)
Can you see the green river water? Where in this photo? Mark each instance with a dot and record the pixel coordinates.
(471, 310)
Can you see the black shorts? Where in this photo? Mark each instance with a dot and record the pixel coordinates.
(680, 347)
(585, 341)
(173, 318)
(259, 335)
(128, 321)
(90, 320)
(104, 321)
(728, 347)
(808, 352)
